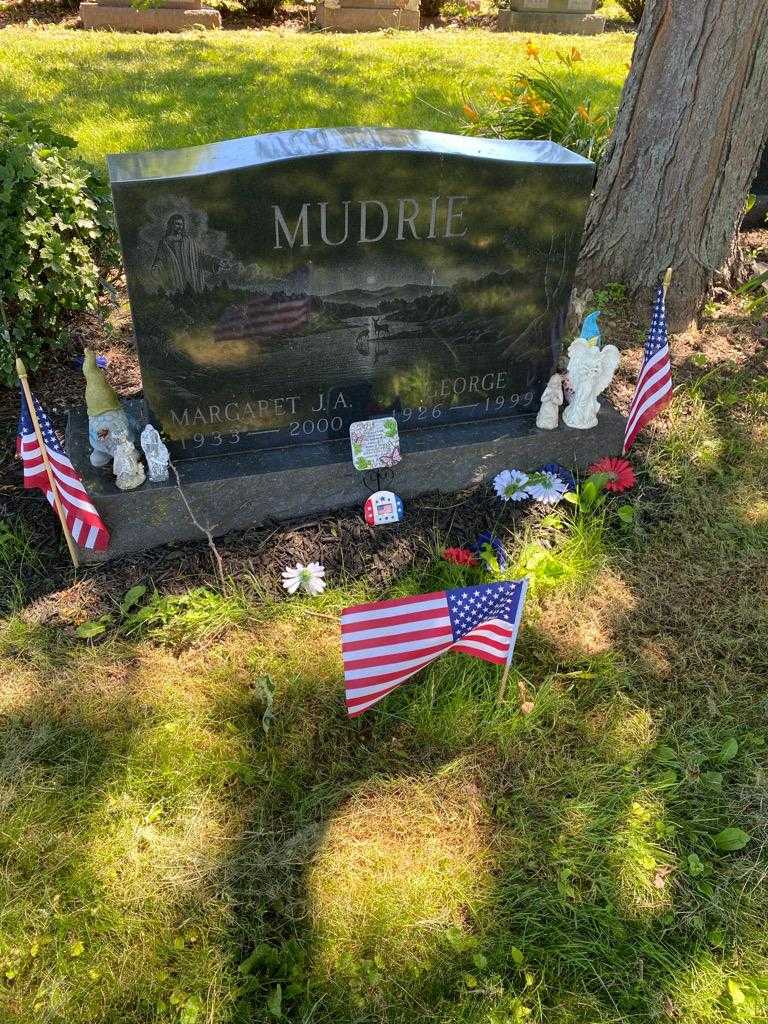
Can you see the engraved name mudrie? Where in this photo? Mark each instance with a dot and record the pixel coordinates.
(370, 221)
(285, 286)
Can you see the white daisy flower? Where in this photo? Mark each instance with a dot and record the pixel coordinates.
(308, 578)
(511, 484)
(547, 487)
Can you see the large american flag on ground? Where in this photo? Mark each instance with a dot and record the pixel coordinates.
(385, 643)
(654, 385)
(83, 520)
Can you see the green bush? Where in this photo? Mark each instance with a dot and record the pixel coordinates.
(634, 8)
(55, 232)
(544, 105)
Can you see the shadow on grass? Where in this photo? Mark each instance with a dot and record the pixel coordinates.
(252, 854)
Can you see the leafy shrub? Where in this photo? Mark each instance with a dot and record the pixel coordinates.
(634, 8)
(55, 231)
(541, 105)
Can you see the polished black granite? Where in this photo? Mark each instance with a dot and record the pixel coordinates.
(285, 285)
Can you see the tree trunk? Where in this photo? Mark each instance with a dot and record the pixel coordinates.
(690, 129)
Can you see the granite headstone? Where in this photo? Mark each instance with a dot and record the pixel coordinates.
(286, 285)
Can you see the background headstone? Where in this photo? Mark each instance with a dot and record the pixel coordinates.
(161, 16)
(565, 16)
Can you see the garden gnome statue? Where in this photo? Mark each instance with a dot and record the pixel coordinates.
(127, 465)
(590, 371)
(155, 453)
(106, 416)
(551, 400)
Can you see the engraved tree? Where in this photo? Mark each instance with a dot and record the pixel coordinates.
(690, 128)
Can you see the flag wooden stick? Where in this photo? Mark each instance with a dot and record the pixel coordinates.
(505, 674)
(21, 370)
(666, 281)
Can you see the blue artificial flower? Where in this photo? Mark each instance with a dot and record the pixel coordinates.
(510, 485)
(499, 551)
(547, 487)
(565, 474)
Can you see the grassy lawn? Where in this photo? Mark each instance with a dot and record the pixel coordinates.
(115, 92)
(192, 831)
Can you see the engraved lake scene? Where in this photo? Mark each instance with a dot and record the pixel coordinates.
(287, 285)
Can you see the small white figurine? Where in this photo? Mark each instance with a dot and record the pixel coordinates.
(126, 463)
(590, 371)
(155, 453)
(551, 400)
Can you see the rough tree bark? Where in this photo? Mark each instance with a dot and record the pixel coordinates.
(691, 125)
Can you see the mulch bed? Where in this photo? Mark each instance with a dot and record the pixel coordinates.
(341, 541)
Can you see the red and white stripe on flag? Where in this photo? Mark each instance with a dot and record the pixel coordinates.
(654, 385)
(386, 642)
(84, 522)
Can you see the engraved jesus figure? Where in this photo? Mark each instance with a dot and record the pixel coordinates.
(179, 260)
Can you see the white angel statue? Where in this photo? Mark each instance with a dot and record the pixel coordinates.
(590, 371)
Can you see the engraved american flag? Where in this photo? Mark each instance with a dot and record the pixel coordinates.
(283, 311)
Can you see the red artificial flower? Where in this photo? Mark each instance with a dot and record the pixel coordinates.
(461, 556)
(621, 476)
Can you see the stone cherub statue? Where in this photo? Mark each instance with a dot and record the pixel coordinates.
(155, 453)
(590, 371)
(106, 416)
(127, 465)
(551, 400)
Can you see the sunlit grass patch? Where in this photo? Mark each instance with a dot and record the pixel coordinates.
(620, 731)
(401, 863)
(642, 865)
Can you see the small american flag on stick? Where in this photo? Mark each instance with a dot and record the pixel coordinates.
(654, 385)
(82, 519)
(385, 643)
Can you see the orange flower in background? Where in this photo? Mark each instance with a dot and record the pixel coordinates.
(535, 103)
(470, 112)
(532, 49)
(582, 111)
(575, 54)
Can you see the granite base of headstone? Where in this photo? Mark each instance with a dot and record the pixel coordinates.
(238, 491)
(576, 17)
(367, 15)
(287, 286)
(168, 16)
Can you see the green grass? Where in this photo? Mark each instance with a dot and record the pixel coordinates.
(192, 831)
(116, 92)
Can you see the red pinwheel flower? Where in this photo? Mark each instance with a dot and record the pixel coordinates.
(621, 476)
(461, 556)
